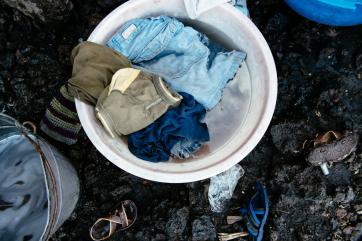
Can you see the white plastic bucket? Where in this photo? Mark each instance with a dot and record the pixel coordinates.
(61, 180)
(229, 143)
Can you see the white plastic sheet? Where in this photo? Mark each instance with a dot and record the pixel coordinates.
(196, 7)
(222, 187)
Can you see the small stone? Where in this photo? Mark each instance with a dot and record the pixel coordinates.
(327, 58)
(348, 230)
(335, 223)
(350, 195)
(143, 235)
(352, 217)
(339, 175)
(274, 236)
(176, 226)
(159, 237)
(46, 11)
(203, 229)
(345, 197)
(198, 201)
(161, 209)
(341, 213)
(332, 32)
(73, 217)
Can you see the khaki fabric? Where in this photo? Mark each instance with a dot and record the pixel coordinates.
(134, 103)
(93, 68)
(122, 79)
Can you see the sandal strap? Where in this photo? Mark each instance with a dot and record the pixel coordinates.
(252, 229)
(112, 227)
(255, 218)
(119, 218)
(252, 213)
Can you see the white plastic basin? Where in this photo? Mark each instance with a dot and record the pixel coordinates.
(237, 126)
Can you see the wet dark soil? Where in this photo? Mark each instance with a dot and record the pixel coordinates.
(320, 89)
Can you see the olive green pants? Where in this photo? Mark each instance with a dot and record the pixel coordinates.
(126, 99)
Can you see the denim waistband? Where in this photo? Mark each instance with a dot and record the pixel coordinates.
(150, 41)
(141, 39)
(171, 97)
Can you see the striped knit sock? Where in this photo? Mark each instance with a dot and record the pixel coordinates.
(61, 120)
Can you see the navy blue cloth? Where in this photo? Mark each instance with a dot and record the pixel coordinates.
(178, 125)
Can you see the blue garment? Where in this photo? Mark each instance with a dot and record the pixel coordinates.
(241, 6)
(178, 125)
(185, 58)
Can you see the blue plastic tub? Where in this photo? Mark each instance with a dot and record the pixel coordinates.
(330, 12)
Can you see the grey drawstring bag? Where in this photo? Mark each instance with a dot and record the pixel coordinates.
(38, 187)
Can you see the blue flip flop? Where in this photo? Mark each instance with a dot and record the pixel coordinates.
(256, 214)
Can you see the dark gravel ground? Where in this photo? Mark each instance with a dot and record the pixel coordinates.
(320, 89)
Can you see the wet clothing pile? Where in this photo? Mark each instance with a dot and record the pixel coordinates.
(153, 82)
(187, 60)
(179, 132)
(126, 101)
(125, 107)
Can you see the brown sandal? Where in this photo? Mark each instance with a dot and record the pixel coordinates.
(124, 217)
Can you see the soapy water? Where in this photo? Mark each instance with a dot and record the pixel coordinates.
(229, 114)
(225, 119)
(23, 195)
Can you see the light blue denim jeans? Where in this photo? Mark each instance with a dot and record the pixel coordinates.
(185, 58)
